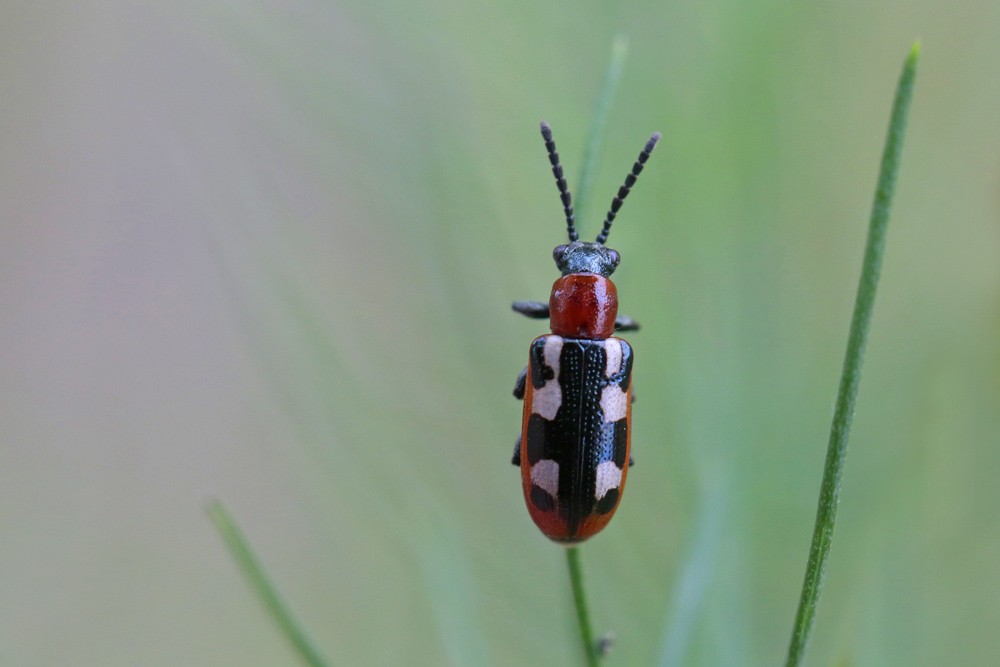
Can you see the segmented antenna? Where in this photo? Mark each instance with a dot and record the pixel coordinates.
(557, 171)
(623, 191)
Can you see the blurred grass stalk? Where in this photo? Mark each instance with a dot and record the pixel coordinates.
(836, 454)
(259, 581)
(588, 168)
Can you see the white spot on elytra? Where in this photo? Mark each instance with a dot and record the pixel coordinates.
(613, 349)
(609, 476)
(546, 400)
(551, 352)
(545, 474)
(614, 402)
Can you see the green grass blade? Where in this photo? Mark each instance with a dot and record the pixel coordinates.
(252, 570)
(580, 600)
(697, 572)
(836, 454)
(619, 53)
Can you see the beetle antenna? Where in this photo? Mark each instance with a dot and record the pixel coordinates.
(623, 191)
(557, 171)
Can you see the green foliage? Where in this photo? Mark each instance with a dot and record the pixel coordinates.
(836, 456)
(582, 608)
(248, 562)
(268, 250)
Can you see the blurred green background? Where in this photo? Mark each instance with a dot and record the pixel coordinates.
(265, 252)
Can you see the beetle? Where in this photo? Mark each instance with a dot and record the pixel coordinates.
(575, 444)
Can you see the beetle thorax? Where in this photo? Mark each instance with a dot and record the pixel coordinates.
(583, 305)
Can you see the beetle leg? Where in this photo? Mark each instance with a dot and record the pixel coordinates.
(533, 309)
(516, 459)
(625, 323)
(519, 386)
(631, 461)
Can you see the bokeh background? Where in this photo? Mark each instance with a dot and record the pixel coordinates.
(264, 252)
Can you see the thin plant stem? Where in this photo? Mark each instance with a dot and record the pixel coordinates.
(259, 581)
(619, 53)
(836, 454)
(580, 600)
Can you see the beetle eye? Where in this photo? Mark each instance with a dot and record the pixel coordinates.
(614, 256)
(559, 252)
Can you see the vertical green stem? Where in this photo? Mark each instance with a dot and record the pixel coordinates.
(582, 611)
(619, 51)
(836, 454)
(255, 575)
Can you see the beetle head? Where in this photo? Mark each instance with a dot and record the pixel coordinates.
(585, 257)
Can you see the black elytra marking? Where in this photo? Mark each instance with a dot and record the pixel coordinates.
(608, 502)
(538, 435)
(578, 438)
(540, 372)
(620, 445)
(542, 499)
